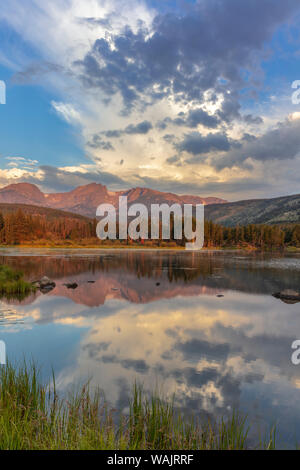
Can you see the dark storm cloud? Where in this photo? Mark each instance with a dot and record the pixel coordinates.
(198, 116)
(191, 119)
(184, 56)
(279, 143)
(97, 143)
(249, 119)
(142, 128)
(197, 144)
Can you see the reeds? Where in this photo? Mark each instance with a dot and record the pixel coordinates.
(12, 284)
(32, 416)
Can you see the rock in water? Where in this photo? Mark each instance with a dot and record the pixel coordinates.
(288, 296)
(72, 285)
(45, 282)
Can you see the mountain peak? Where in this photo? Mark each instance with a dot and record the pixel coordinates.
(21, 192)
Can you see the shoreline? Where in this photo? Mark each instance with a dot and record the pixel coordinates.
(287, 250)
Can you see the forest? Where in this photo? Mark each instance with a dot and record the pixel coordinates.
(19, 228)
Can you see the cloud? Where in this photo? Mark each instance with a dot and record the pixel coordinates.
(174, 159)
(138, 365)
(196, 144)
(184, 56)
(96, 142)
(67, 112)
(249, 119)
(141, 128)
(60, 179)
(280, 143)
(191, 119)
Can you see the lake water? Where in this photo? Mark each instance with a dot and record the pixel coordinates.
(203, 325)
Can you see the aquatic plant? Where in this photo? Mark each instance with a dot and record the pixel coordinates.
(32, 416)
(12, 284)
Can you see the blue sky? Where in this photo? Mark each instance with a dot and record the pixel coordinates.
(182, 96)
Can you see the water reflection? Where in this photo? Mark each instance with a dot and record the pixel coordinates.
(216, 353)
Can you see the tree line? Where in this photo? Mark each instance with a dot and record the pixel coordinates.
(18, 227)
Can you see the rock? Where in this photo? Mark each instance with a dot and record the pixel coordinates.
(46, 283)
(157, 284)
(220, 295)
(91, 282)
(72, 285)
(288, 296)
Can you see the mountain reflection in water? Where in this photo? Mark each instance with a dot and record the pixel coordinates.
(156, 317)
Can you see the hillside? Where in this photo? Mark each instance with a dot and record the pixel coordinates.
(281, 210)
(47, 213)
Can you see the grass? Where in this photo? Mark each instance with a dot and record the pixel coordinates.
(293, 249)
(32, 416)
(12, 284)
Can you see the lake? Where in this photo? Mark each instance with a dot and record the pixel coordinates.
(201, 324)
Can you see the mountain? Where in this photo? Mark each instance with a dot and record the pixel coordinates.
(84, 200)
(22, 193)
(280, 210)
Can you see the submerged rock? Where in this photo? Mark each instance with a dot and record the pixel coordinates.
(72, 285)
(288, 296)
(46, 282)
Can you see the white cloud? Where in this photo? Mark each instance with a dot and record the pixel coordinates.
(67, 112)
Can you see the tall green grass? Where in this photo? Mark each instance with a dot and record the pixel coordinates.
(32, 416)
(12, 284)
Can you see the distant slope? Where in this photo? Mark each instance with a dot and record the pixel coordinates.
(49, 214)
(84, 200)
(281, 210)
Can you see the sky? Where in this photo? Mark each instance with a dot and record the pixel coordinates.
(187, 96)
